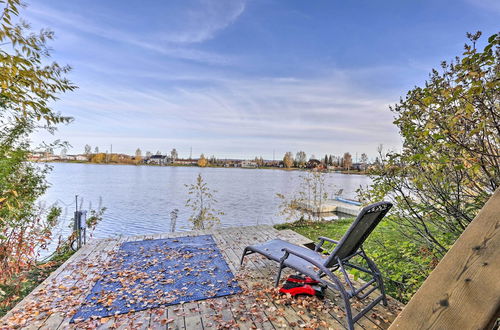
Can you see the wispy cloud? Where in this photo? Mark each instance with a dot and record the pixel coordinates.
(203, 20)
(201, 23)
(492, 5)
(238, 116)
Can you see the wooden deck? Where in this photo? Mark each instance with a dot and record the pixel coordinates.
(51, 305)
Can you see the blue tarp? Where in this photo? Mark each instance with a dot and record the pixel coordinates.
(150, 273)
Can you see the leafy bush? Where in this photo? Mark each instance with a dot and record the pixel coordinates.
(450, 162)
(28, 86)
(312, 192)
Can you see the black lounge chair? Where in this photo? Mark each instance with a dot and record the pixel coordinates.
(320, 266)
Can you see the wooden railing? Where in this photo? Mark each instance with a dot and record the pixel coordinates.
(463, 291)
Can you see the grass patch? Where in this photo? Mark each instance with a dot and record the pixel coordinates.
(20, 286)
(403, 263)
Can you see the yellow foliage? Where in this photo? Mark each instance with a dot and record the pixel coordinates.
(98, 158)
(202, 162)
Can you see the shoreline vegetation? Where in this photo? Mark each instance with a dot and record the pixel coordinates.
(328, 163)
(13, 293)
(354, 172)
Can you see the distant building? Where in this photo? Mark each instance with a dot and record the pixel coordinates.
(271, 163)
(185, 162)
(157, 160)
(333, 168)
(249, 164)
(313, 163)
(359, 166)
(81, 158)
(36, 156)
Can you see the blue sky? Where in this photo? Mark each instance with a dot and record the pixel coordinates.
(241, 78)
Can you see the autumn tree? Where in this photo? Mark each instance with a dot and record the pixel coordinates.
(288, 159)
(301, 158)
(98, 158)
(259, 161)
(29, 85)
(174, 155)
(138, 156)
(347, 161)
(202, 161)
(450, 162)
(96, 150)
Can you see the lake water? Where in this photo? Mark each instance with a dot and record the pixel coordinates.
(139, 199)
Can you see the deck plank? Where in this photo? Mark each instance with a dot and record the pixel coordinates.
(289, 317)
(256, 307)
(102, 253)
(260, 321)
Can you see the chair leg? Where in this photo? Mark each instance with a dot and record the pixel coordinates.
(245, 253)
(378, 277)
(345, 297)
(278, 276)
(281, 266)
(382, 289)
(348, 312)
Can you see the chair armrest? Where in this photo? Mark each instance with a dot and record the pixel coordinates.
(306, 258)
(322, 240)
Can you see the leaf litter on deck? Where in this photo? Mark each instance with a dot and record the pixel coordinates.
(259, 302)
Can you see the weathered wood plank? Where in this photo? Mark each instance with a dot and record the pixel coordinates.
(227, 246)
(463, 291)
(242, 310)
(232, 260)
(102, 253)
(64, 278)
(289, 314)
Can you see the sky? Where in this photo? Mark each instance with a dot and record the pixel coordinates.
(246, 78)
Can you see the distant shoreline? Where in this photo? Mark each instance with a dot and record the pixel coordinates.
(354, 172)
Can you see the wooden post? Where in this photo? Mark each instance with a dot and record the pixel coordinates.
(463, 291)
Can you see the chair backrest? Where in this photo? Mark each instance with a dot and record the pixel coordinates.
(361, 228)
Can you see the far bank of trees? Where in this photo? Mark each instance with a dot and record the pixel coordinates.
(342, 163)
(298, 161)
